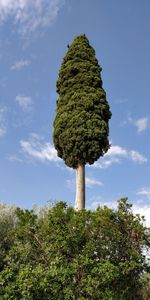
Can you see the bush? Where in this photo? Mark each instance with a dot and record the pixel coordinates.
(65, 254)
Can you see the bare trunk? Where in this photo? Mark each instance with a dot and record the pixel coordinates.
(80, 187)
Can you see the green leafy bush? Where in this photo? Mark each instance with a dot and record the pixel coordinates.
(65, 254)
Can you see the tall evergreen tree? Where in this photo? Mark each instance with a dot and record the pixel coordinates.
(81, 125)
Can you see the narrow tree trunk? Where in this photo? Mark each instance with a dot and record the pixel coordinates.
(80, 187)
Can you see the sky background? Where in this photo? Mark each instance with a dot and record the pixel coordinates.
(33, 41)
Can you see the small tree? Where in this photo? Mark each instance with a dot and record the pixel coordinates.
(7, 223)
(81, 124)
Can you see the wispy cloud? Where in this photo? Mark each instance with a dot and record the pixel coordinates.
(116, 154)
(25, 102)
(144, 192)
(15, 158)
(19, 65)
(3, 128)
(30, 14)
(141, 124)
(136, 157)
(90, 182)
(36, 148)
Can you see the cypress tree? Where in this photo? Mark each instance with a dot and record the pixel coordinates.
(81, 124)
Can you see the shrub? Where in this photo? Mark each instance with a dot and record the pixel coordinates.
(66, 254)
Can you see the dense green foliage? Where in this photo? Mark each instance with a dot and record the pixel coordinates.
(7, 223)
(81, 124)
(145, 289)
(61, 254)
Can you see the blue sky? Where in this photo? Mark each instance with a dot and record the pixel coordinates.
(33, 40)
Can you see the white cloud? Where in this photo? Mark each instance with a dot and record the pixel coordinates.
(30, 14)
(141, 124)
(90, 182)
(19, 65)
(137, 157)
(3, 129)
(115, 154)
(24, 102)
(120, 152)
(103, 163)
(144, 192)
(36, 148)
(116, 150)
(143, 211)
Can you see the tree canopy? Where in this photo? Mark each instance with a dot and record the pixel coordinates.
(81, 124)
(67, 255)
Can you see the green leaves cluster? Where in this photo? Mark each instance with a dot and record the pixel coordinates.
(65, 254)
(7, 223)
(81, 123)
